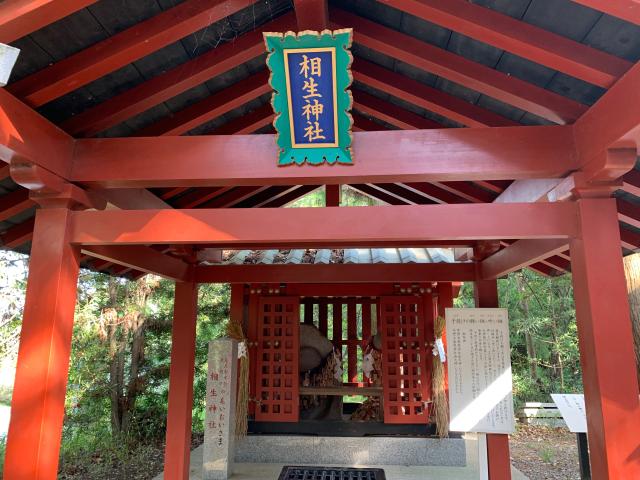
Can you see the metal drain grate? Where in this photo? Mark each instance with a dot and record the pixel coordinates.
(323, 473)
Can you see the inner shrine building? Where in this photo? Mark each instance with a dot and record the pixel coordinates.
(138, 137)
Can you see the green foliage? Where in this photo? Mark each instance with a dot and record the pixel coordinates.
(544, 339)
(87, 427)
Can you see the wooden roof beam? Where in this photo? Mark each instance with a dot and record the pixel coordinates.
(199, 196)
(142, 258)
(18, 234)
(528, 190)
(520, 38)
(308, 226)
(631, 182)
(211, 107)
(21, 17)
(290, 196)
(26, 135)
(249, 123)
(452, 154)
(311, 14)
(132, 198)
(14, 202)
(232, 197)
(520, 254)
(366, 124)
(265, 196)
(613, 121)
(628, 10)
(435, 193)
(390, 113)
(345, 273)
(426, 97)
(378, 194)
(122, 48)
(466, 190)
(404, 193)
(470, 74)
(628, 212)
(175, 81)
(630, 239)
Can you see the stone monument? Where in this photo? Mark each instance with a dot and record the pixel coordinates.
(220, 419)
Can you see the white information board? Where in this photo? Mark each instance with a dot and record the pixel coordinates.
(479, 367)
(571, 406)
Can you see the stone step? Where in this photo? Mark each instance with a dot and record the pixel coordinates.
(290, 449)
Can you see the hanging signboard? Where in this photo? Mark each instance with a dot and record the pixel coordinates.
(479, 367)
(310, 76)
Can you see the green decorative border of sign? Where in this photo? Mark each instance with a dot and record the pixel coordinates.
(341, 40)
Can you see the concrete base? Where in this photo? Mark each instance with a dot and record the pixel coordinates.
(271, 471)
(289, 450)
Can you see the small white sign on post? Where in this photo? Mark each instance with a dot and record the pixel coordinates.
(479, 367)
(572, 409)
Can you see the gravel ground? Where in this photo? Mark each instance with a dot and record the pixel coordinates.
(544, 453)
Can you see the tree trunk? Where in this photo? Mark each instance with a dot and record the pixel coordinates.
(632, 272)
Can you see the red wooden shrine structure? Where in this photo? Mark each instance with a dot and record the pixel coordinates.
(403, 314)
(127, 146)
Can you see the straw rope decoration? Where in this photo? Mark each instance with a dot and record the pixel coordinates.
(440, 400)
(234, 330)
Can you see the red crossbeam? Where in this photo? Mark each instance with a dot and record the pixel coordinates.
(308, 226)
(419, 156)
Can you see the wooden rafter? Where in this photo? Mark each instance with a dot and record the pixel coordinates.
(478, 77)
(211, 107)
(122, 48)
(390, 113)
(21, 17)
(13, 203)
(518, 37)
(249, 123)
(17, 235)
(628, 10)
(426, 97)
(141, 258)
(173, 82)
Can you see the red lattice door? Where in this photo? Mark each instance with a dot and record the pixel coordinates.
(404, 360)
(277, 385)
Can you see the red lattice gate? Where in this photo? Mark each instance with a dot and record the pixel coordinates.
(277, 384)
(404, 360)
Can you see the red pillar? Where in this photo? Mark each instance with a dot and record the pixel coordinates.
(183, 348)
(37, 406)
(486, 296)
(606, 345)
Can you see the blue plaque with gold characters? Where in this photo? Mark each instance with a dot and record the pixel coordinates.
(311, 76)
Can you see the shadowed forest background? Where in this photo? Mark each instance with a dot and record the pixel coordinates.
(118, 381)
